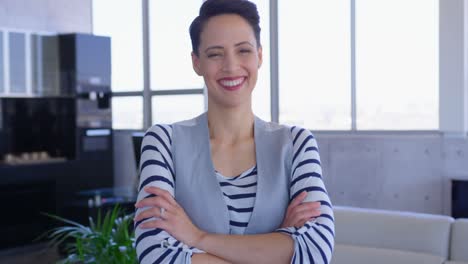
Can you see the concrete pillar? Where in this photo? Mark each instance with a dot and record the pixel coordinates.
(453, 90)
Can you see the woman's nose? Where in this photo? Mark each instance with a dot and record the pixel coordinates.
(230, 63)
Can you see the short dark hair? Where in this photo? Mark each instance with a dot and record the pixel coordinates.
(211, 8)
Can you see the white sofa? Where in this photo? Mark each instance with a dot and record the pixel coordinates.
(459, 242)
(379, 236)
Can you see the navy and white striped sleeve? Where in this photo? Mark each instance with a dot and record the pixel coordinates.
(314, 242)
(157, 169)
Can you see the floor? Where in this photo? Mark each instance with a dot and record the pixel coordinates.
(38, 254)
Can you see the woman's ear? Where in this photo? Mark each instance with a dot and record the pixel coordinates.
(196, 64)
(260, 56)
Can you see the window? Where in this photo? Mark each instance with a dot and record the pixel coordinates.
(126, 40)
(342, 64)
(129, 112)
(261, 102)
(2, 80)
(170, 45)
(127, 57)
(395, 66)
(168, 109)
(397, 72)
(314, 64)
(171, 63)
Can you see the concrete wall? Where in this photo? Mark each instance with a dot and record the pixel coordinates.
(47, 15)
(401, 171)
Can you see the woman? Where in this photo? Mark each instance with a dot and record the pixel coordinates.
(227, 187)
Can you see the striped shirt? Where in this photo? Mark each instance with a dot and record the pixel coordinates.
(239, 195)
(313, 242)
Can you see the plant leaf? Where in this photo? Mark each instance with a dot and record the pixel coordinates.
(63, 220)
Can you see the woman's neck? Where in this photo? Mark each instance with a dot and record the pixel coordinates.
(230, 125)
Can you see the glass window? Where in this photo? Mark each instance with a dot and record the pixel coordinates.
(122, 21)
(314, 64)
(261, 102)
(127, 112)
(168, 109)
(17, 62)
(170, 45)
(1, 64)
(397, 64)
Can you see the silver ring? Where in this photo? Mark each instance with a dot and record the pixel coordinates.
(162, 212)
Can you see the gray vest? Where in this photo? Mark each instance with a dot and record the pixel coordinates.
(197, 190)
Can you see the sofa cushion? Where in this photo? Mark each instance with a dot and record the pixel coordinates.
(347, 254)
(404, 231)
(459, 242)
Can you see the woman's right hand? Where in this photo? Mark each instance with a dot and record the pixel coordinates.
(170, 216)
(299, 212)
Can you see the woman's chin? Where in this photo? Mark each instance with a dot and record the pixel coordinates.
(233, 104)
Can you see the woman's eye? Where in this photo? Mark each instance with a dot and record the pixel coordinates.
(214, 55)
(245, 51)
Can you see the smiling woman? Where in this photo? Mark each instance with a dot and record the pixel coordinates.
(207, 184)
(228, 58)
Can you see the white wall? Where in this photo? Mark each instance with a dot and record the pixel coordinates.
(47, 15)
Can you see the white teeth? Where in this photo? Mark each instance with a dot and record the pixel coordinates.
(232, 82)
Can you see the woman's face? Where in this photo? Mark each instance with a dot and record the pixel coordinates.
(228, 60)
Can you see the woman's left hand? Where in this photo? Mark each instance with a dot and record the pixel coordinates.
(299, 212)
(170, 216)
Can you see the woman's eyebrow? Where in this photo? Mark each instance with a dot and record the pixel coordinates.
(244, 42)
(236, 45)
(213, 47)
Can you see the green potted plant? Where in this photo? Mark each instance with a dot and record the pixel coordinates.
(107, 240)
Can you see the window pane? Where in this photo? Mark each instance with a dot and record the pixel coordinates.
(314, 63)
(122, 21)
(171, 63)
(168, 109)
(1, 64)
(261, 94)
(397, 64)
(127, 112)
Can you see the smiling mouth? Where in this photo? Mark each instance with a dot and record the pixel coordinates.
(232, 84)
